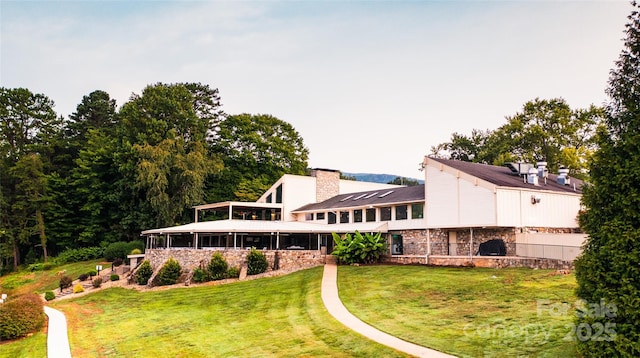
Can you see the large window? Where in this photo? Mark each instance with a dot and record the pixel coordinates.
(270, 198)
(417, 211)
(331, 218)
(357, 216)
(319, 216)
(308, 217)
(279, 194)
(371, 215)
(385, 213)
(344, 217)
(401, 212)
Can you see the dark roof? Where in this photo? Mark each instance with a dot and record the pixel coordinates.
(378, 197)
(502, 176)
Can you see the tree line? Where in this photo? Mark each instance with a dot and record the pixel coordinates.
(105, 173)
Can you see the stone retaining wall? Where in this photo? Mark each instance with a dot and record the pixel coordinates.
(190, 258)
(480, 261)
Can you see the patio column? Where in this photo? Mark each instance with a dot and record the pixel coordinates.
(278, 240)
(319, 242)
(471, 244)
(195, 237)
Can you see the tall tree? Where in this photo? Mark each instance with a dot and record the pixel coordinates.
(608, 271)
(254, 147)
(28, 126)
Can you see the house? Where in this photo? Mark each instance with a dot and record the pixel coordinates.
(522, 210)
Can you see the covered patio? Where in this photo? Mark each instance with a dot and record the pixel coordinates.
(243, 234)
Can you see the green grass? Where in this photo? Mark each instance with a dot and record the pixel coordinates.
(270, 317)
(25, 281)
(34, 346)
(466, 312)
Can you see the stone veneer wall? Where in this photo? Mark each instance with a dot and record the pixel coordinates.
(190, 258)
(327, 184)
(463, 240)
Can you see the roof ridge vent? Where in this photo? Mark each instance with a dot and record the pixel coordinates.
(563, 176)
(532, 176)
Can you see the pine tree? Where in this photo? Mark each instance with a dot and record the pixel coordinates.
(608, 271)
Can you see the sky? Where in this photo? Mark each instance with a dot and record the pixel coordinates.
(370, 86)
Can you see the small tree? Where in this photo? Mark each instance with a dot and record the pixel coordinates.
(359, 248)
(218, 267)
(144, 273)
(65, 282)
(169, 273)
(257, 262)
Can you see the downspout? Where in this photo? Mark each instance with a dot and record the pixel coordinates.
(471, 245)
(428, 245)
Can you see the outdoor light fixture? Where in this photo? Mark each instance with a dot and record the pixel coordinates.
(535, 199)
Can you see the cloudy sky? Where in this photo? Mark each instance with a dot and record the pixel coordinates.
(369, 85)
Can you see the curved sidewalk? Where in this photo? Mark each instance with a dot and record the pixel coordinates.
(57, 338)
(339, 311)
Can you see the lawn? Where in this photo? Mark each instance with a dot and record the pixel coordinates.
(25, 281)
(466, 312)
(271, 317)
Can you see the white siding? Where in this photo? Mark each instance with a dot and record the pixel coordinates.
(441, 196)
(559, 210)
(477, 205)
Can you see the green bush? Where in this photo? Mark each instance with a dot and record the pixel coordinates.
(144, 273)
(77, 255)
(65, 282)
(257, 262)
(169, 272)
(49, 295)
(78, 288)
(114, 277)
(83, 277)
(40, 266)
(20, 316)
(97, 282)
(217, 267)
(92, 273)
(121, 249)
(135, 252)
(200, 275)
(233, 272)
(359, 248)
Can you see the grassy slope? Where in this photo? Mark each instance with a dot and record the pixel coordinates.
(466, 312)
(271, 317)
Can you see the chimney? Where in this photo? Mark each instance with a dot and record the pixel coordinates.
(327, 183)
(543, 172)
(532, 176)
(563, 176)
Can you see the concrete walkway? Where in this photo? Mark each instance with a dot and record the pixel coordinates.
(339, 311)
(57, 339)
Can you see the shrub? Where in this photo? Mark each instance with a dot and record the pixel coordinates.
(116, 249)
(78, 288)
(169, 272)
(77, 255)
(257, 262)
(217, 267)
(92, 273)
(144, 273)
(114, 277)
(83, 277)
(117, 262)
(135, 252)
(49, 295)
(20, 316)
(359, 248)
(200, 275)
(65, 282)
(40, 266)
(96, 282)
(233, 272)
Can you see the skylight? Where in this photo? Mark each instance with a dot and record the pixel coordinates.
(385, 194)
(371, 195)
(347, 198)
(360, 196)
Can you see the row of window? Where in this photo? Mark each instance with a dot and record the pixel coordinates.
(370, 214)
(278, 195)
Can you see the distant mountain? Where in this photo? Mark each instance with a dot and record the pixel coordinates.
(376, 178)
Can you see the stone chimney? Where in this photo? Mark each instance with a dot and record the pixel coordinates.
(327, 183)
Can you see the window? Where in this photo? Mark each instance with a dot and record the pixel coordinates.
(417, 211)
(385, 213)
(270, 198)
(344, 217)
(332, 218)
(371, 215)
(308, 217)
(357, 216)
(279, 194)
(319, 216)
(401, 212)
